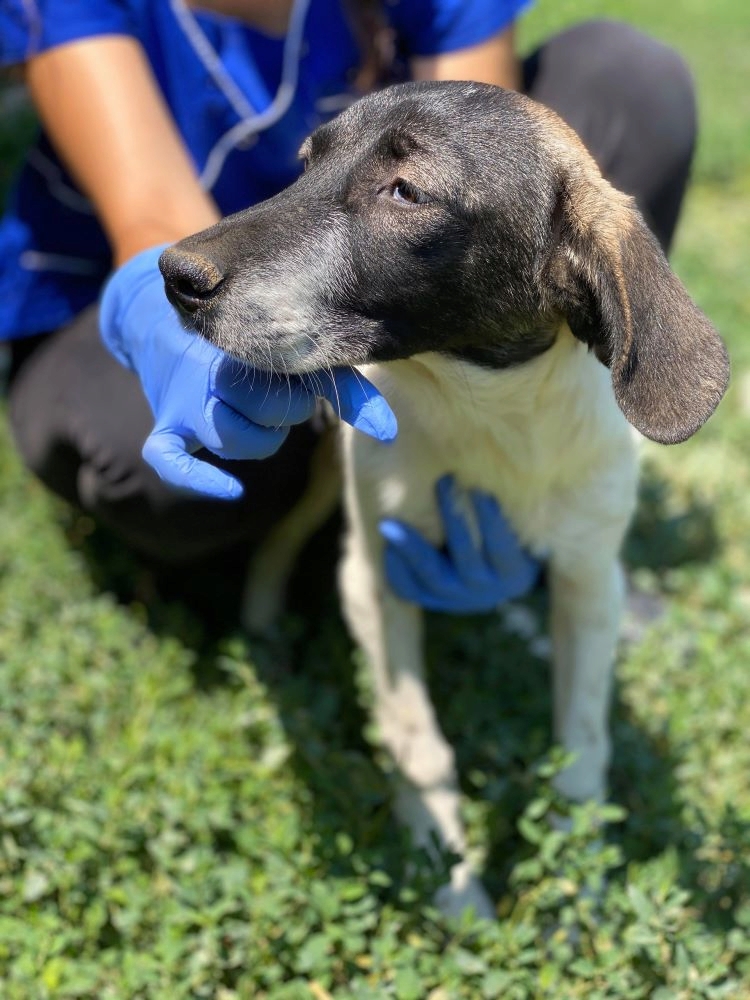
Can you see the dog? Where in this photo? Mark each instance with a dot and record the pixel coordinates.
(458, 245)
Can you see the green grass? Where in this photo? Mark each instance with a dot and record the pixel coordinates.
(185, 815)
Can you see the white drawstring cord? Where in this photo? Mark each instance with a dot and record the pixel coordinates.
(252, 121)
(210, 59)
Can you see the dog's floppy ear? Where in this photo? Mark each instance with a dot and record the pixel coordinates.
(612, 282)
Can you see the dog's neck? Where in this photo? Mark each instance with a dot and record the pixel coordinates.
(557, 396)
(533, 436)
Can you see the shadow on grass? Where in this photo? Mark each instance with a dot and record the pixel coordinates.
(664, 534)
(491, 694)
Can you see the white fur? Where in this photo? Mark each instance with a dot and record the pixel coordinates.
(549, 441)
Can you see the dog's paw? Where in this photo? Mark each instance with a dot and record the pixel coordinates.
(261, 607)
(464, 892)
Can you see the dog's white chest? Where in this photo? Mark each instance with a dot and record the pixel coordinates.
(546, 438)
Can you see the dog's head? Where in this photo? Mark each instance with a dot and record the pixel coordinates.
(453, 217)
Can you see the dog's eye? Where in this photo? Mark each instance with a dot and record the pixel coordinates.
(408, 193)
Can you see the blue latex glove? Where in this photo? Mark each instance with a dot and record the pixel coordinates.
(202, 398)
(466, 576)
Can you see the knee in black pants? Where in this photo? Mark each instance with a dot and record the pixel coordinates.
(632, 101)
(80, 419)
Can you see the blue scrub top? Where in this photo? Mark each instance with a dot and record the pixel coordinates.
(242, 101)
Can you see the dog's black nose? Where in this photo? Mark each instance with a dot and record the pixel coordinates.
(190, 280)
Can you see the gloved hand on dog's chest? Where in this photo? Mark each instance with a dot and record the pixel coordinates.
(470, 574)
(202, 398)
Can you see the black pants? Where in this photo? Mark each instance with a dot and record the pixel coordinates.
(80, 419)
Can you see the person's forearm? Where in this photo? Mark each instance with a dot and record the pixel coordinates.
(493, 61)
(103, 111)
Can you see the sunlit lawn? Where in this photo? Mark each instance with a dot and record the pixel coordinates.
(186, 815)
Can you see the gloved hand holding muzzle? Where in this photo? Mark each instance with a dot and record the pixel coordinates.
(202, 398)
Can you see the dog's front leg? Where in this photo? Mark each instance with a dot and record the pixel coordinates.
(390, 633)
(587, 599)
